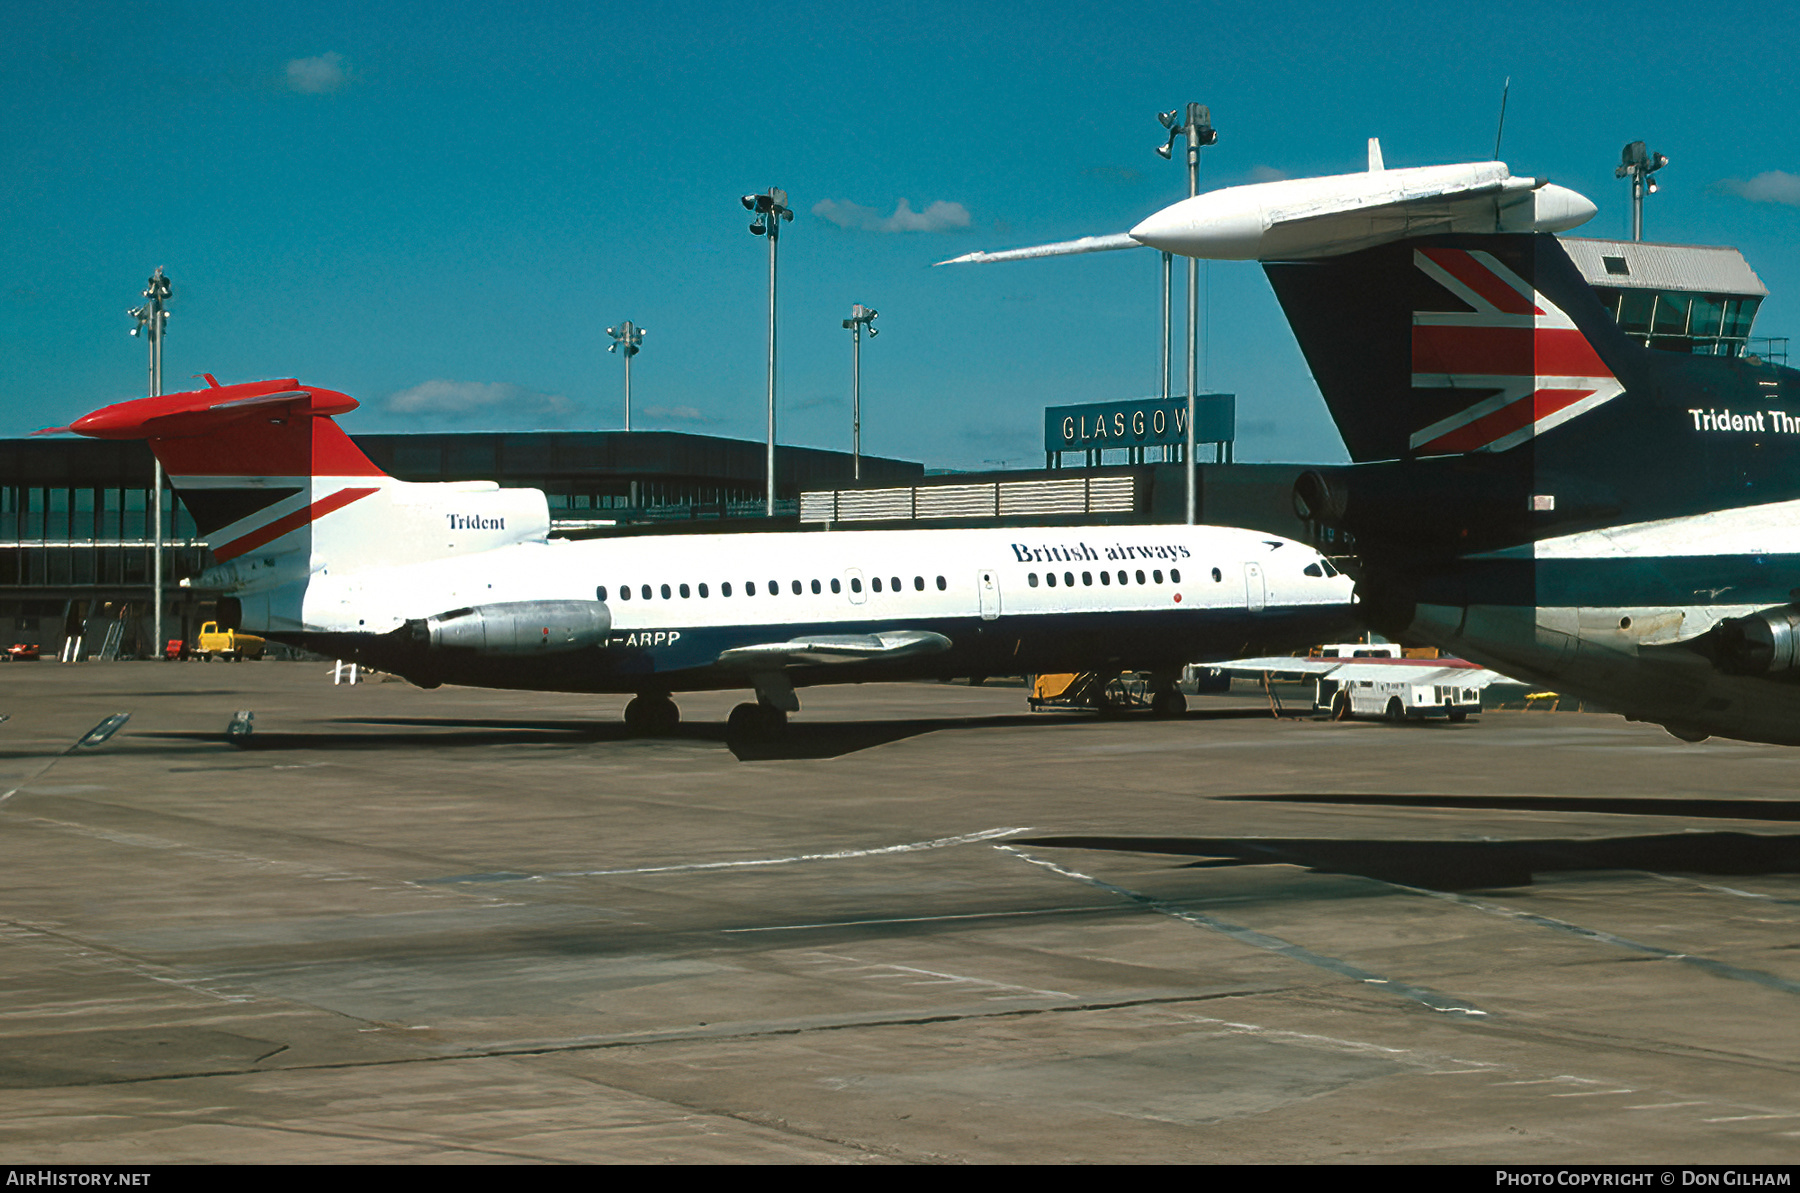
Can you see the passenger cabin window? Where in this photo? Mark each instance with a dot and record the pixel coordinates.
(1140, 577)
(1217, 576)
(836, 587)
(644, 592)
(941, 584)
(774, 588)
(684, 592)
(1087, 578)
(1032, 579)
(896, 582)
(796, 588)
(1175, 575)
(1068, 579)
(725, 589)
(918, 584)
(875, 583)
(600, 594)
(665, 592)
(816, 588)
(1050, 579)
(749, 588)
(1106, 577)
(1157, 575)
(855, 584)
(624, 592)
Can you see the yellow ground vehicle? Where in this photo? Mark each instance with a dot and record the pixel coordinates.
(214, 643)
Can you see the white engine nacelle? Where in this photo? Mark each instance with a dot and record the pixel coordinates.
(518, 628)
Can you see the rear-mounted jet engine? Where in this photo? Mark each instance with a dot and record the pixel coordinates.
(516, 628)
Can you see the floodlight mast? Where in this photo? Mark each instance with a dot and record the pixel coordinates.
(628, 338)
(770, 209)
(1637, 162)
(1196, 125)
(860, 317)
(152, 318)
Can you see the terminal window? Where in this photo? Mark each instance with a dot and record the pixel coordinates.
(1682, 321)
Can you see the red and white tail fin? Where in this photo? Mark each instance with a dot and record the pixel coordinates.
(279, 492)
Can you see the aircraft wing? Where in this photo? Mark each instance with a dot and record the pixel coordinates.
(1448, 672)
(829, 649)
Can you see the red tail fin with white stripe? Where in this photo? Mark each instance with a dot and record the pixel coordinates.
(280, 493)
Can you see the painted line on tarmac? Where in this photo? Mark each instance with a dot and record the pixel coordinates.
(991, 834)
(1707, 964)
(922, 919)
(1262, 940)
(1717, 889)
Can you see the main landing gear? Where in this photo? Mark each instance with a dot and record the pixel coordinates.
(768, 717)
(749, 721)
(652, 714)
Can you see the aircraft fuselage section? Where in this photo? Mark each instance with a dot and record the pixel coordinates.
(990, 602)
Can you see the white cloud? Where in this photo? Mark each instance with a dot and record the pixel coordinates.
(317, 76)
(1771, 186)
(494, 402)
(675, 414)
(941, 216)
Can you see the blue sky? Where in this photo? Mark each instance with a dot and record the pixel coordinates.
(439, 208)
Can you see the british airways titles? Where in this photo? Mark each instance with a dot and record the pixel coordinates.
(1068, 553)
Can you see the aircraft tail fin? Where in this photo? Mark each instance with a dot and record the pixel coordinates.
(279, 492)
(1453, 344)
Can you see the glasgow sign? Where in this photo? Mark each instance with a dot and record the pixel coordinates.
(1146, 422)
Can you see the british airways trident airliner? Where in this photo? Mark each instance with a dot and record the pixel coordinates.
(462, 582)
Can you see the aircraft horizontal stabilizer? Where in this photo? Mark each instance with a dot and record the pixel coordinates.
(1063, 248)
(1293, 219)
(827, 649)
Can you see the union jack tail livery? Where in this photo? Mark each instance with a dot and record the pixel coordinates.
(1453, 344)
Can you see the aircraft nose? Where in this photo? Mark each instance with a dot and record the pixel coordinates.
(1217, 226)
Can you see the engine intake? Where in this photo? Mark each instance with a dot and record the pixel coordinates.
(518, 628)
(1764, 643)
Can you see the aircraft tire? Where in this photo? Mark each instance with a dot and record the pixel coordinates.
(750, 722)
(638, 716)
(745, 721)
(650, 715)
